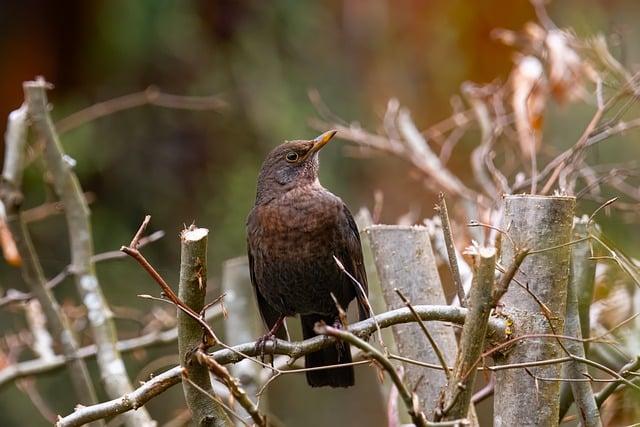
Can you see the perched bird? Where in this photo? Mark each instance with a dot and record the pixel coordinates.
(294, 231)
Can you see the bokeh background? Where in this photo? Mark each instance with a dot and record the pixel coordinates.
(262, 59)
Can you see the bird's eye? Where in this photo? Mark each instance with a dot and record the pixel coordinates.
(292, 156)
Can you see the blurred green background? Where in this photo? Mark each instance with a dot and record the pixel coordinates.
(262, 58)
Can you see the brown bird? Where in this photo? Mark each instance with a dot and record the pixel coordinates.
(294, 231)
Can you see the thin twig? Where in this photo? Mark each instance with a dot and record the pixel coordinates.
(443, 212)
(150, 96)
(434, 344)
(232, 384)
(411, 404)
(13, 296)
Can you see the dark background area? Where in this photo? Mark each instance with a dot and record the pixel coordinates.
(262, 58)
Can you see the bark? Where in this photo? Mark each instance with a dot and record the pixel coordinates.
(191, 290)
(534, 222)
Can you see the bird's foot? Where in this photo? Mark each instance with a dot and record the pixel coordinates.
(261, 344)
(337, 324)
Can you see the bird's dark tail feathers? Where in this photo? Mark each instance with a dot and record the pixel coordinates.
(340, 353)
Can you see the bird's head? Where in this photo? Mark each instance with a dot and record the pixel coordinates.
(290, 165)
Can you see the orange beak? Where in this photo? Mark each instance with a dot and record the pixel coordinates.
(322, 140)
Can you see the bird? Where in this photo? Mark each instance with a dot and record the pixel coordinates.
(299, 235)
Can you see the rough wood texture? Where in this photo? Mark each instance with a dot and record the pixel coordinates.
(404, 260)
(191, 290)
(535, 222)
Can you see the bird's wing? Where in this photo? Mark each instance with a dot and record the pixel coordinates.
(354, 263)
(269, 315)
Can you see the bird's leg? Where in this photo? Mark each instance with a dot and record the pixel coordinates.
(269, 336)
(337, 323)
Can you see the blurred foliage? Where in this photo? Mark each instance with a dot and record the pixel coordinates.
(262, 58)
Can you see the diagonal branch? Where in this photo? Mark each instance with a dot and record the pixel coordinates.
(67, 187)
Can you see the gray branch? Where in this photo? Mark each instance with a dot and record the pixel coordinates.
(67, 187)
(295, 350)
(133, 400)
(191, 290)
(535, 222)
(39, 366)
(32, 272)
(461, 388)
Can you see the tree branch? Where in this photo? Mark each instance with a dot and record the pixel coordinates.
(294, 350)
(32, 272)
(410, 400)
(133, 400)
(460, 388)
(191, 291)
(443, 212)
(67, 187)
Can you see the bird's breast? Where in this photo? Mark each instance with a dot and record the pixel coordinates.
(292, 240)
(298, 223)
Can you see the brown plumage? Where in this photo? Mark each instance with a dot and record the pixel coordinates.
(294, 230)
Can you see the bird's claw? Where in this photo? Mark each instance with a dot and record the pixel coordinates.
(261, 344)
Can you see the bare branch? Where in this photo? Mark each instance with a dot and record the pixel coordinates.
(166, 289)
(295, 350)
(607, 391)
(39, 366)
(432, 342)
(32, 272)
(582, 277)
(232, 384)
(133, 400)
(443, 212)
(412, 404)
(150, 96)
(191, 292)
(68, 189)
(460, 388)
(13, 296)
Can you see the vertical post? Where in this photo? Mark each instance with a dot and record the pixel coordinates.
(191, 290)
(534, 222)
(404, 260)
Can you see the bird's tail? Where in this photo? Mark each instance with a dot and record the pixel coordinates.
(337, 354)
